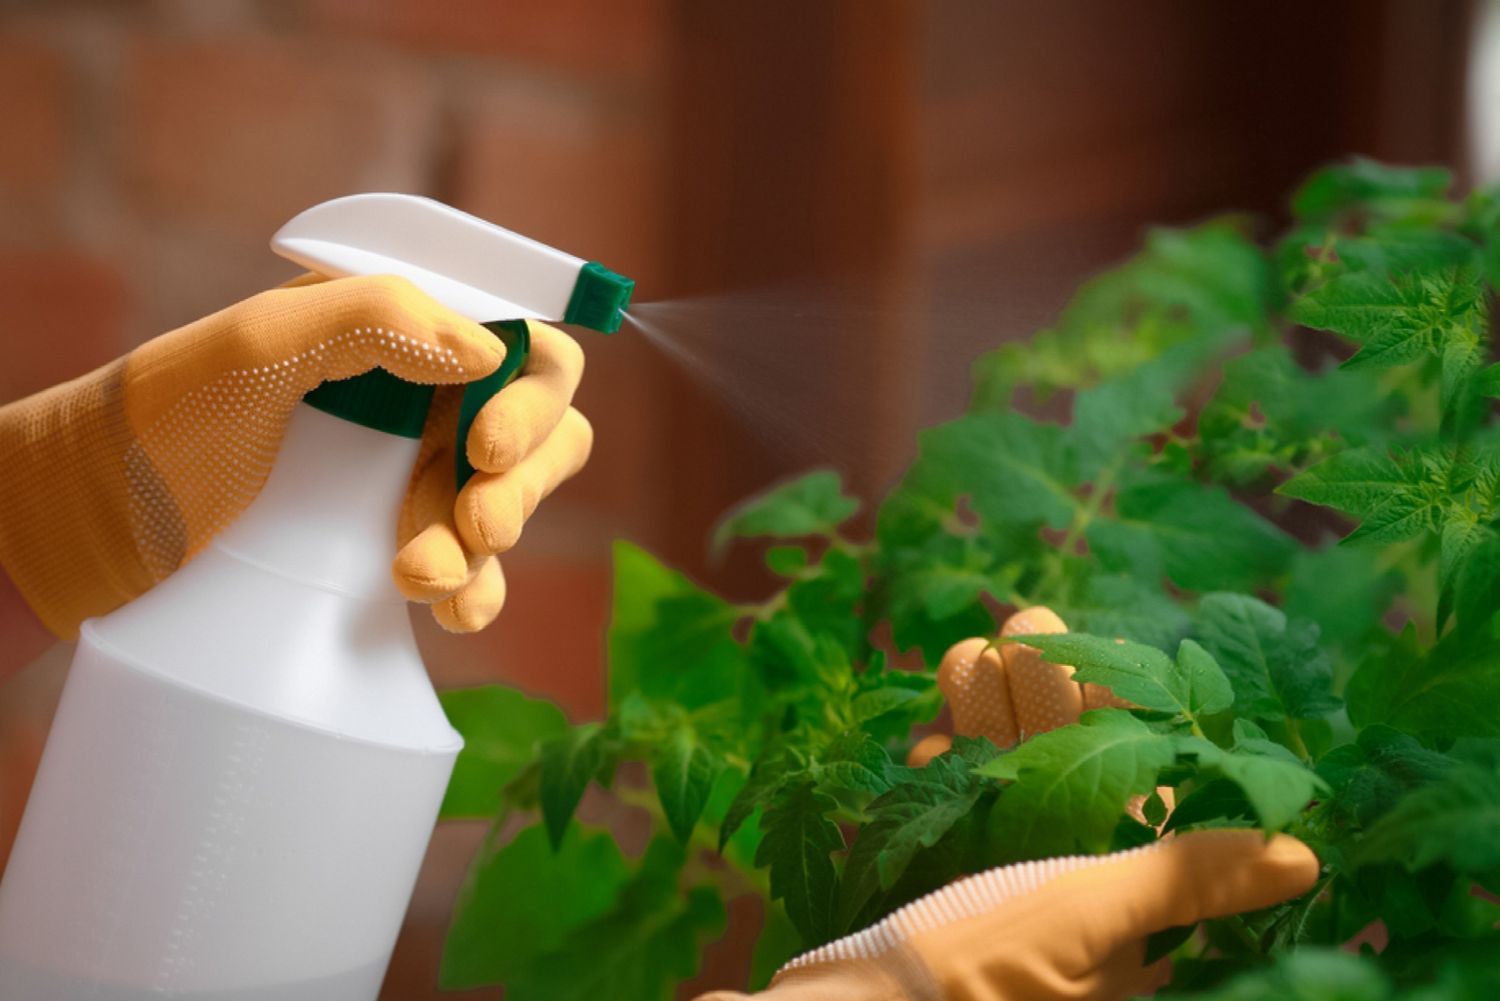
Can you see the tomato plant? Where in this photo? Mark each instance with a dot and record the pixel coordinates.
(1279, 484)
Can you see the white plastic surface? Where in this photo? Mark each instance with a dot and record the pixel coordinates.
(470, 265)
(247, 762)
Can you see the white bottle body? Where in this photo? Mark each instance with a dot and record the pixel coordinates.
(246, 764)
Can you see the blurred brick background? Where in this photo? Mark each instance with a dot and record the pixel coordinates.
(150, 147)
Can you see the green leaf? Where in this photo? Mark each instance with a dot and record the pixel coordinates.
(1448, 692)
(1126, 607)
(1371, 776)
(1461, 535)
(647, 944)
(1476, 594)
(491, 940)
(786, 561)
(1013, 470)
(814, 504)
(912, 816)
(931, 591)
(775, 770)
(1269, 413)
(1202, 287)
(1367, 187)
(1350, 612)
(501, 730)
(1399, 249)
(1357, 481)
(798, 846)
(1191, 686)
(854, 762)
(1399, 318)
(1109, 416)
(1275, 666)
(569, 763)
(1454, 820)
(1070, 785)
(1194, 534)
(669, 639)
(683, 771)
(1308, 974)
(1276, 785)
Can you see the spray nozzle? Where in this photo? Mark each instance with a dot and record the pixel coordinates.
(599, 298)
(490, 274)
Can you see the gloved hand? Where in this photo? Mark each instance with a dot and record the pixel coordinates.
(1061, 928)
(1064, 928)
(116, 478)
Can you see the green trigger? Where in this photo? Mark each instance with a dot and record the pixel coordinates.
(517, 339)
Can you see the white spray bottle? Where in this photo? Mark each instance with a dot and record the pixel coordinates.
(247, 762)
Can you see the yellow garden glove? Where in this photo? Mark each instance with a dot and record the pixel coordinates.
(1064, 928)
(114, 479)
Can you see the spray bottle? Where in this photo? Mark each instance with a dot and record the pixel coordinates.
(247, 762)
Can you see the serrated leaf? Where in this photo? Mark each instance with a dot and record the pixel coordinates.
(1454, 820)
(501, 729)
(671, 640)
(798, 844)
(1276, 667)
(1461, 535)
(1126, 607)
(643, 947)
(814, 504)
(1070, 785)
(1190, 686)
(1387, 192)
(1370, 776)
(912, 816)
(1193, 534)
(767, 778)
(1450, 691)
(491, 940)
(854, 762)
(683, 771)
(1013, 470)
(1350, 612)
(1399, 318)
(1356, 481)
(1276, 786)
(569, 763)
(1142, 402)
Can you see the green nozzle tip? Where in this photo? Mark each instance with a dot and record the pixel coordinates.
(599, 298)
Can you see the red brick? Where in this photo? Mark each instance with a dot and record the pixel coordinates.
(65, 313)
(35, 92)
(584, 38)
(249, 132)
(575, 169)
(35, 107)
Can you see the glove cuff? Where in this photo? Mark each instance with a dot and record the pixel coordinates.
(67, 549)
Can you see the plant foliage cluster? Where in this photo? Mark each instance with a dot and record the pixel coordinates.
(1279, 484)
